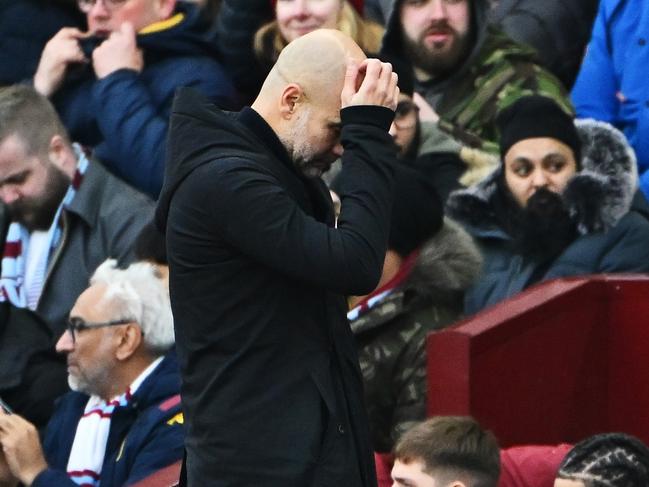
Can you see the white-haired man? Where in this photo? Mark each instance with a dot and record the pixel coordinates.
(122, 422)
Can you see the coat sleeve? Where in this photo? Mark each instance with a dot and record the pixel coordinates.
(596, 86)
(134, 129)
(53, 478)
(409, 384)
(255, 214)
(628, 250)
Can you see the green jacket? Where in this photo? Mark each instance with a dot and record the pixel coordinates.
(391, 332)
(495, 73)
(502, 72)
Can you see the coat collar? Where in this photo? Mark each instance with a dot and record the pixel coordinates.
(87, 203)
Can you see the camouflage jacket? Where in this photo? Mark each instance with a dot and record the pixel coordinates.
(501, 72)
(391, 334)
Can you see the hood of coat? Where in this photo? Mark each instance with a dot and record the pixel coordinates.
(447, 265)
(199, 133)
(393, 38)
(186, 33)
(597, 197)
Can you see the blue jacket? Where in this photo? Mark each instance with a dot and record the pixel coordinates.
(25, 28)
(615, 69)
(145, 436)
(611, 216)
(125, 115)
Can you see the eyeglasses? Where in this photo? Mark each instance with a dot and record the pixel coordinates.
(76, 325)
(86, 5)
(405, 108)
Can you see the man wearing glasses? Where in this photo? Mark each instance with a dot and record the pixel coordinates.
(114, 84)
(122, 423)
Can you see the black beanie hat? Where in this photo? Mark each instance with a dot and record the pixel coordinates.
(537, 116)
(608, 460)
(417, 212)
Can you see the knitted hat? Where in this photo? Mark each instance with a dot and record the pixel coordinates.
(537, 116)
(417, 212)
(608, 460)
(357, 4)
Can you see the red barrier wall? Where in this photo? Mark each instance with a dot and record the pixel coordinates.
(559, 362)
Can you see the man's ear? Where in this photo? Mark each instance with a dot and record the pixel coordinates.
(129, 341)
(57, 150)
(292, 95)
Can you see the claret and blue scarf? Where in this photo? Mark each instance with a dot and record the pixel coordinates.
(12, 277)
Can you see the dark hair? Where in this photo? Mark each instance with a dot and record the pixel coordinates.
(417, 210)
(150, 245)
(607, 460)
(453, 448)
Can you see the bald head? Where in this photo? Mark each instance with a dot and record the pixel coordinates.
(315, 77)
(316, 62)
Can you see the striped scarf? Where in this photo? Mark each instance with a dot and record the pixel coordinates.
(12, 276)
(90, 440)
(378, 295)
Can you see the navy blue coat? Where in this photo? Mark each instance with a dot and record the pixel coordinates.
(125, 115)
(25, 28)
(145, 436)
(612, 220)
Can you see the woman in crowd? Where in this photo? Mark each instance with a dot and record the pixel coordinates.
(252, 33)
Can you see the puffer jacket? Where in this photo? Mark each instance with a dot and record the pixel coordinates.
(610, 214)
(124, 116)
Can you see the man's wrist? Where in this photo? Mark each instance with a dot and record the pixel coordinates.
(374, 115)
(28, 477)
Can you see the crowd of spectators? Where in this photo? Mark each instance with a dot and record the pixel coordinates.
(522, 157)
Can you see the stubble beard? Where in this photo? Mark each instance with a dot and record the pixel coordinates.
(305, 160)
(89, 382)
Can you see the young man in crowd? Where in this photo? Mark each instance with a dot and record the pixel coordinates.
(447, 451)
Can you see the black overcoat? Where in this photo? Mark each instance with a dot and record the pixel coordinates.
(272, 388)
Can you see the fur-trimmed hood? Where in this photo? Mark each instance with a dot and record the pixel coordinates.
(597, 197)
(447, 265)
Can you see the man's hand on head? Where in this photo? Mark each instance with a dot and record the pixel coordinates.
(21, 447)
(119, 51)
(61, 50)
(370, 83)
